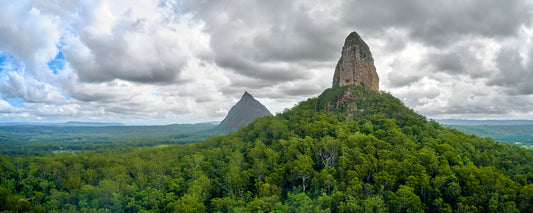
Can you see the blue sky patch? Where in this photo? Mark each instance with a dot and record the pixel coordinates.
(57, 63)
(66, 96)
(3, 58)
(6, 61)
(16, 102)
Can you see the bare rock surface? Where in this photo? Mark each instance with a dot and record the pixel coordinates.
(356, 65)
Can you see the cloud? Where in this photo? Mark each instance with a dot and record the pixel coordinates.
(276, 41)
(440, 23)
(29, 35)
(171, 61)
(132, 47)
(514, 72)
(5, 107)
(398, 79)
(21, 85)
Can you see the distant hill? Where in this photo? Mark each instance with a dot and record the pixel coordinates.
(243, 113)
(518, 132)
(69, 123)
(484, 122)
(80, 123)
(513, 134)
(43, 139)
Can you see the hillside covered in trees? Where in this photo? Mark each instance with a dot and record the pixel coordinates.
(349, 150)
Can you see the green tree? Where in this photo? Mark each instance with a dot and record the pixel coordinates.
(405, 200)
(374, 204)
(303, 169)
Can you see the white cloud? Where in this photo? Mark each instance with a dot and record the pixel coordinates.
(5, 107)
(22, 85)
(134, 44)
(29, 35)
(165, 61)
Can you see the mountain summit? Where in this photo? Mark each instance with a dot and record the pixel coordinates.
(356, 65)
(243, 113)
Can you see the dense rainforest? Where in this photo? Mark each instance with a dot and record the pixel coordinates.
(348, 150)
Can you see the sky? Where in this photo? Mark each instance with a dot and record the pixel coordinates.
(187, 61)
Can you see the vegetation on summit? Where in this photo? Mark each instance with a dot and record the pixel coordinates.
(349, 150)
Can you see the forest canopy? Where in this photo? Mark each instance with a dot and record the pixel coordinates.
(348, 150)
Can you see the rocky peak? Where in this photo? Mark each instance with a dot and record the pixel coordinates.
(356, 65)
(243, 113)
(247, 97)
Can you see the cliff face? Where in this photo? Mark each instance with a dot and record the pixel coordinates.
(243, 113)
(356, 65)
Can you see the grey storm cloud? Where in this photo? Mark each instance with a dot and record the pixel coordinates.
(398, 79)
(266, 39)
(512, 74)
(439, 23)
(460, 60)
(268, 72)
(450, 63)
(252, 37)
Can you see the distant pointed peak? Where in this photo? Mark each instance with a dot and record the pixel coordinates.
(243, 112)
(247, 95)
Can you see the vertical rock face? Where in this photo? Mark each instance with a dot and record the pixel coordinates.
(356, 65)
(243, 113)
